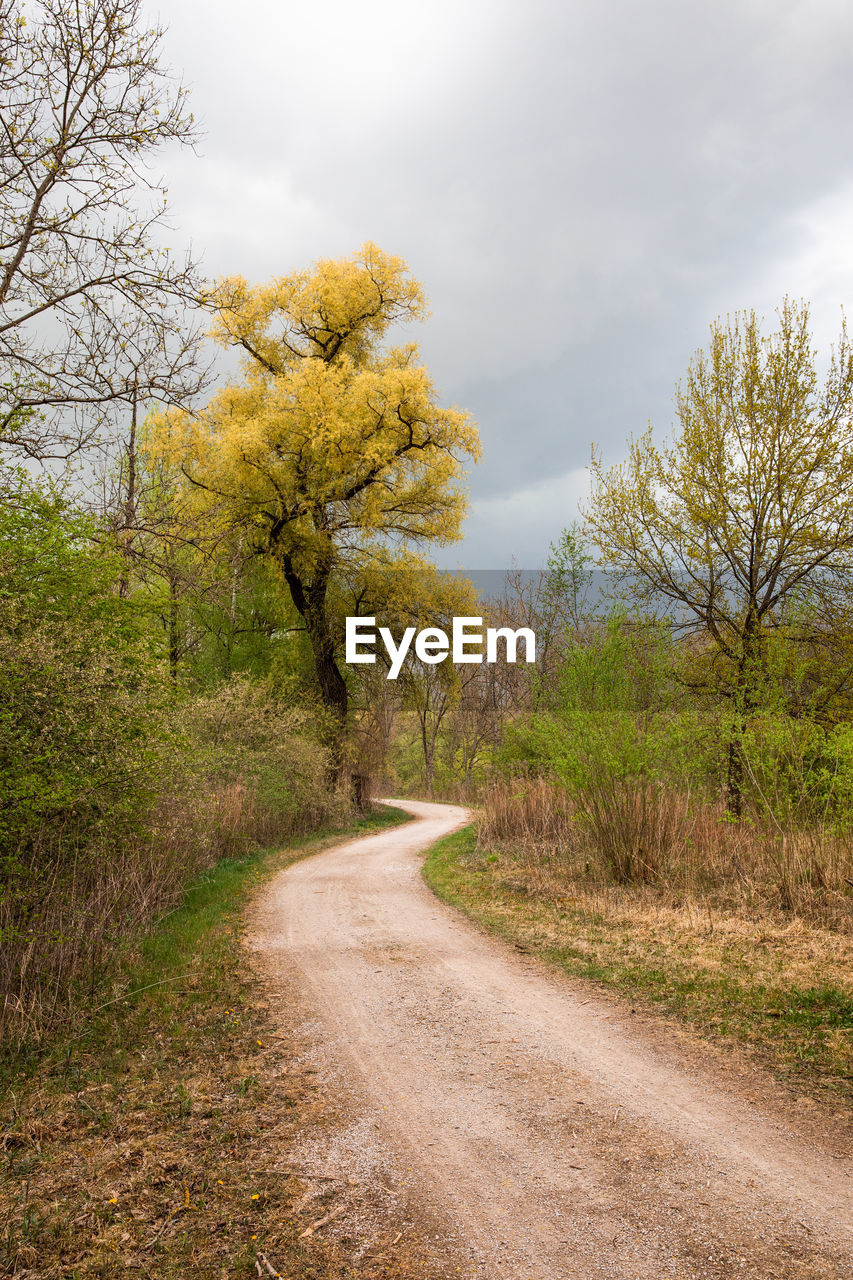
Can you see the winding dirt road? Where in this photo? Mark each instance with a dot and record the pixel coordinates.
(548, 1132)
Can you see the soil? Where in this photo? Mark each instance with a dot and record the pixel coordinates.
(535, 1127)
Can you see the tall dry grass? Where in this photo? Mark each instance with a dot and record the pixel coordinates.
(74, 900)
(643, 833)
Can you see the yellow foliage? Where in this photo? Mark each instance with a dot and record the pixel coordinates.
(333, 443)
(344, 306)
(328, 436)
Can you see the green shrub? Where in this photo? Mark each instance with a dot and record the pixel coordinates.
(615, 712)
(247, 736)
(115, 787)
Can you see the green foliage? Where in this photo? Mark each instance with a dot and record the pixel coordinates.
(80, 691)
(617, 735)
(568, 577)
(116, 784)
(243, 624)
(250, 733)
(799, 773)
(616, 712)
(745, 513)
(50, 569)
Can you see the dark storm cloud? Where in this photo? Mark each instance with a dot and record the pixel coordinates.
(582, 188)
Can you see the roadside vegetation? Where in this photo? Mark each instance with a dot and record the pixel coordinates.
(159, 1138)
(667, 804)
(174, 573)
(769, 983)
(117, 786)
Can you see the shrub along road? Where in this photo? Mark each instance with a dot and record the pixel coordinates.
(542, 1128)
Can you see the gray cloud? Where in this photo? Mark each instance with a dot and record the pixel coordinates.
(582, 189)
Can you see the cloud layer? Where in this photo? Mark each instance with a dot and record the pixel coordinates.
(581, 188)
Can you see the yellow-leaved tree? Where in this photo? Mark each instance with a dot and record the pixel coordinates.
(333, 446)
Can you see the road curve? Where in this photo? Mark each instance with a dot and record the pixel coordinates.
(534, 1117)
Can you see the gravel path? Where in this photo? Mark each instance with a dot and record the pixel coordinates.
(543, 1125)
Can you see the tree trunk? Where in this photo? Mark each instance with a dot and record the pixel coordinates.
(734, 778)
(333, 689)
(429, 766)
(746, 700)
(310, 601)
(129, 522)
(361, 791)
(174, 630)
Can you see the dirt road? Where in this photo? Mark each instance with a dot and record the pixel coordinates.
(548, 1131)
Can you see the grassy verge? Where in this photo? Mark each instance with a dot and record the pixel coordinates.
(783, 989)
(142, 1146)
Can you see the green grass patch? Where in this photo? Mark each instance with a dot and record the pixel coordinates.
(206, 924)
(786, 994)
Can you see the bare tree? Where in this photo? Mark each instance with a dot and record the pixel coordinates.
(93, 311)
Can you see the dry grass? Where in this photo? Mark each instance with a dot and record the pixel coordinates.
(782, 986)
(744, 931)
(75, 900)
(644, 833)
(166, 1140)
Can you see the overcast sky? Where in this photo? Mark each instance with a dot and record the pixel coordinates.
(582, 187)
